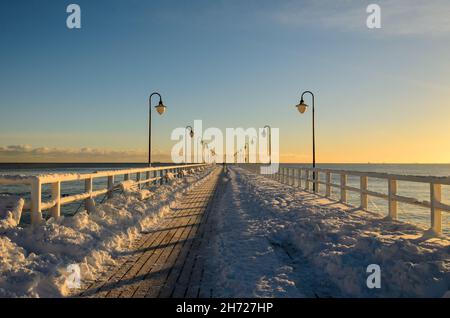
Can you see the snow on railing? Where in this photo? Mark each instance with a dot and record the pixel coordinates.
(310, 177)
(36, 205)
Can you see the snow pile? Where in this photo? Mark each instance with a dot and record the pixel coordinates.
(276, 240)
(33, 260)
(11, 209)
(170, 176)
(128, 186)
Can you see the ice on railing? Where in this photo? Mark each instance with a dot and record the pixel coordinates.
(128, 186)
(11, 207)
(170, 176)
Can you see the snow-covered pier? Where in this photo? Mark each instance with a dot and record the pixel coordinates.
(209, 231)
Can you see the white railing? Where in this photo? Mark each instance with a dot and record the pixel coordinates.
(309, 179)
(36, 205)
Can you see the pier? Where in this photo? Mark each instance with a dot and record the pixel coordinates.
(231, 230)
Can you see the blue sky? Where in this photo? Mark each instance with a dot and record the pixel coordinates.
(381, 93)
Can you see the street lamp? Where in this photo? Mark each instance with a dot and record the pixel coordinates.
(302, 107)
(246, 153)
(202, 142)
(269, 149)
(160, 108)
(191, 133)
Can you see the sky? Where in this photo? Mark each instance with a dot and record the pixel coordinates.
(382, 95)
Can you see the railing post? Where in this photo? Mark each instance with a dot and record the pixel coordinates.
(147, 176)
(316, 180)
(89, 202)
(56, 196)
(306, 179)
(343, 188)
(363, 193)
(36, 202)
(299, 180)
(436, 213)
(328, 184)
(110, 186)
(138, 178)
(126, 177)
(392, 191)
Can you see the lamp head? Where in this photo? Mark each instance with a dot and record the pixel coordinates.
(161, 108)
(191, 133)
(302, 107)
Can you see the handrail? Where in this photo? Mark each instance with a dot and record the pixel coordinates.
(296, 176)
(36, 205)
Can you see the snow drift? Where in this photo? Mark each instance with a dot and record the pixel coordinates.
(277, 240)
(33, 260)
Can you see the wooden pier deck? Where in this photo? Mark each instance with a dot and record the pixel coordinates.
(167, 261)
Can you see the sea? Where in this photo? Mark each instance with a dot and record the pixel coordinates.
(406, 212)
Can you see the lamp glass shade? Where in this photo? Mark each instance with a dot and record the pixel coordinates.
(302, 107)
(191, 134)
(160, 108)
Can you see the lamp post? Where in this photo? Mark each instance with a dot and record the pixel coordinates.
(202, 142)
(191, 133)
(269, 149)
(302, 107)
(246, 153)
(160, 108)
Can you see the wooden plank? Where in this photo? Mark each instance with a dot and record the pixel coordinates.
(157, 270)
(189, 272)
(197, 287)
(141, 267)
(167, 289)
(207, 196)
(160, 256)
(98, 289)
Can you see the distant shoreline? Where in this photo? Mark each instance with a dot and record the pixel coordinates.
(49, 165)
(75, 165)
